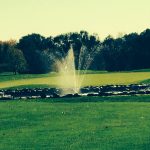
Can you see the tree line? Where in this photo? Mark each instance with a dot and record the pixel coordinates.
(35, 53)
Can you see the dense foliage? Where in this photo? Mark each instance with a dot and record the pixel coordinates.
(36, 54)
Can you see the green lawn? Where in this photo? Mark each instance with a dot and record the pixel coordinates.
(99, 123)
(91, 78)
(96, 123)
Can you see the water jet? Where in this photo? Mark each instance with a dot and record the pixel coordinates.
(70, 76)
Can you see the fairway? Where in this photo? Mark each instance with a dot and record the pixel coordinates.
(94, 78)
(71, 124)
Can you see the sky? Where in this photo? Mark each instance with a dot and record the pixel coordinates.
(52, 17)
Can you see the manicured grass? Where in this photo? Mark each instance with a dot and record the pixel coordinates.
(11, 77)
(96, 123)
(92, 78)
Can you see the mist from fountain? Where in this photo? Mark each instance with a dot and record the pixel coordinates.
(70, 80)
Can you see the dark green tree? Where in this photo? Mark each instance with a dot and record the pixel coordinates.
(17, 62)
(33, 47)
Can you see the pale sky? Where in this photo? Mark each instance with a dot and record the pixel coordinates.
(53, 17)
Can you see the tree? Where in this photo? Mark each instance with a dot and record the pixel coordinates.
(17, 61)
(32, 47)
(144, 40)
(5, 51)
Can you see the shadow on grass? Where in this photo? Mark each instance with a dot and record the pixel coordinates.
(147, 81)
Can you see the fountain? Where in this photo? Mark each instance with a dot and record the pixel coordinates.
(70, 78)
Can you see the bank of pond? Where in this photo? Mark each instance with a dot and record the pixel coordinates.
(101, 91)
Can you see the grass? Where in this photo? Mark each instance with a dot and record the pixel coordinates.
(7, 76)
(96, 123)
(93, 78)
(99, 123)
(146, 81)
